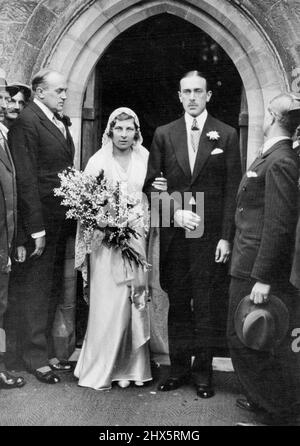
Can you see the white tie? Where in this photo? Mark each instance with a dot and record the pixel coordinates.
(59, 125)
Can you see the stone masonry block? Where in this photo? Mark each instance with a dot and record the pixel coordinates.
(39, 27)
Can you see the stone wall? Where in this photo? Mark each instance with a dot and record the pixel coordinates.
(26, 24)
(280, 20)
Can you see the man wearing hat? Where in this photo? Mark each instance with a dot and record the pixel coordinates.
(7, 229)
(17, 102)
(266, 219)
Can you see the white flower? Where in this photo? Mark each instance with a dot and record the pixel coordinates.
(213, 135)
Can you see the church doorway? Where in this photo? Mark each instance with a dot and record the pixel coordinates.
(141, 69)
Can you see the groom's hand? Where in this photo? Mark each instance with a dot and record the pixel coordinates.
(40, 244)
(222, 251)
(187, 219)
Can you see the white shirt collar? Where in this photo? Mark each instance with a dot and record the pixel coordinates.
(200, 120)
(44, 109)
(4, 130)
(270, 142)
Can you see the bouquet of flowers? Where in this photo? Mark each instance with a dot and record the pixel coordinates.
(104, 211)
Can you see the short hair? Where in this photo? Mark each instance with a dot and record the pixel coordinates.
(40, 78)
(196, 73)
(123, 117)
(286, 108)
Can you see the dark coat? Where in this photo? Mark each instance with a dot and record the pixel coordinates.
(216, 175)
(266, 217)
(8, 202)
(40, 152)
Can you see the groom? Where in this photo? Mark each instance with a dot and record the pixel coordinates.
(196, 153)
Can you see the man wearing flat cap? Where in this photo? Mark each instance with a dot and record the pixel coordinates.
(7, 229)
(266, 218)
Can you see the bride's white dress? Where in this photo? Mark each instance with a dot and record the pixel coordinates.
(116, 342)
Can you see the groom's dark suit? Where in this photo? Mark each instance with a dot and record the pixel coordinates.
(187, 265)
(40, 152)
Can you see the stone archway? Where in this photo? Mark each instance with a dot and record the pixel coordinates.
(91, 30)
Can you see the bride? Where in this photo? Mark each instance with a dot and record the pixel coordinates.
(116, 342)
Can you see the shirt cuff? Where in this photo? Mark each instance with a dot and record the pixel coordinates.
(38, 234)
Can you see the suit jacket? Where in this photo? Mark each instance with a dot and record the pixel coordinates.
(295, 276)
(266, 217)
(216, 175)
(40, 152)
(8, 202)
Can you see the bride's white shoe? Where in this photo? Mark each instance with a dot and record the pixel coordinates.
(138, 383)
(124, 383)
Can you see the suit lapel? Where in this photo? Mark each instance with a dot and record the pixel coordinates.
(204, 149)
(179, 142)
(5, 156)
(259, 160)
(49, 125)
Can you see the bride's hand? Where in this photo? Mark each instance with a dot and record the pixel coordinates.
(135, 221)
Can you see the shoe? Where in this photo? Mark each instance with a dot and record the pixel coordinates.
(244, 403)
(47, 377)
(61, 366)
(171, 384)
(205, 391)
(123, 383)
(8, 381)
(138, 383)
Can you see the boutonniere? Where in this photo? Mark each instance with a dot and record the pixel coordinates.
(213, 135)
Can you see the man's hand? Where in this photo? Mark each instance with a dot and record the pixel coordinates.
(187, 219)
(222, 251)
(160, 183)
(21, 254)
(40, 244)
(260, 293)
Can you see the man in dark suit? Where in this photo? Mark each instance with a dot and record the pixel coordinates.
(42, 147)
(295, 275)
(8, 217)
(197, 154)
(266, 219)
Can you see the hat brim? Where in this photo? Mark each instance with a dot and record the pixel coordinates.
(274, 305)
(12, 90)
(19, 86)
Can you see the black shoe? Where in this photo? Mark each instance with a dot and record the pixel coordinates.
(244, 403)
(62, 366)
(47, 377)
(172, 384)
(8, 381)
(205, 391)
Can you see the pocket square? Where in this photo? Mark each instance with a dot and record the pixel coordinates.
(216, 151)
(250, 174)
